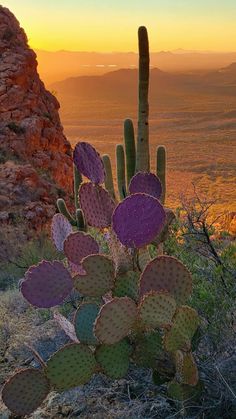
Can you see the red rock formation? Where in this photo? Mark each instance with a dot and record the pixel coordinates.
(35, 156)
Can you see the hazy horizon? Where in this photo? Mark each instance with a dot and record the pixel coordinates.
(59, 65)
(173, 51)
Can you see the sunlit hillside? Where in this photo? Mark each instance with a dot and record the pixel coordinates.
(193, 115)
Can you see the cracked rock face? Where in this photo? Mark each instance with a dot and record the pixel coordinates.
(31, 134)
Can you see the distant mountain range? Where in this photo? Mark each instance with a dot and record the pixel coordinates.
(121, 85)
(54, 66)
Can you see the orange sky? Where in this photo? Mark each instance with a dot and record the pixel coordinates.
(111, 25)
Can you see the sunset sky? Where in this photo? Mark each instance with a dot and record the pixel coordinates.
(111, 25)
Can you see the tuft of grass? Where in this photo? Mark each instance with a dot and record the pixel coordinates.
(31, 254)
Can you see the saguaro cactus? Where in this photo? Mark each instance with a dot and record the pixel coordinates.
(135, 156)
(142, 156)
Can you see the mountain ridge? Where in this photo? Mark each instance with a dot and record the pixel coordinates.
(115, 84)
(55, 66)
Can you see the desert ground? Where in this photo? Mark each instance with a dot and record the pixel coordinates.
(196, 123)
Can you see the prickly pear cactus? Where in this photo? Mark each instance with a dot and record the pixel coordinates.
(129, 309)
(130, 315)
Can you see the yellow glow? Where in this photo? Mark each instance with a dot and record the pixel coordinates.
(51, 28)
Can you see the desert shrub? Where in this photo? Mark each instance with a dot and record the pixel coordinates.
(214, 290)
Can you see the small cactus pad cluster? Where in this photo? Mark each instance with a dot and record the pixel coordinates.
(134, 314)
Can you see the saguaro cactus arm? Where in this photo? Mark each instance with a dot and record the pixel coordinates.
(109, 184)
(120, 170)
(130, 151)
(61, 205)
(161, 170)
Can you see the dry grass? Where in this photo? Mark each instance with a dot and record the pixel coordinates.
(135, 396)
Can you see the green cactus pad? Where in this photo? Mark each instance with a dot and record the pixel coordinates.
(143, 257)
(71, 366)
(97, 205)
(147, 347)
(185, 324)
(126, 285)
(114, 359)
(186, 368)
(183, 392)
(25, 391)
(84, 321)
(157, 309)
(166, 273)
(99, 277)
(115, 320)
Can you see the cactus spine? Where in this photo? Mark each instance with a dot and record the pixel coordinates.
(161, 169)
(143, 157)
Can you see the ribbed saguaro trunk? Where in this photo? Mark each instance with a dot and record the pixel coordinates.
(142, 156)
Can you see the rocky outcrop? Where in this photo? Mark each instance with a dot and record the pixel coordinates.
(35, 156)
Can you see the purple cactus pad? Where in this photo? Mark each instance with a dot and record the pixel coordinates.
(60, 229)
(97, 205)
(138, 219)
(144, 182)
(46, 284)
(79, 245)
(89, 162)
